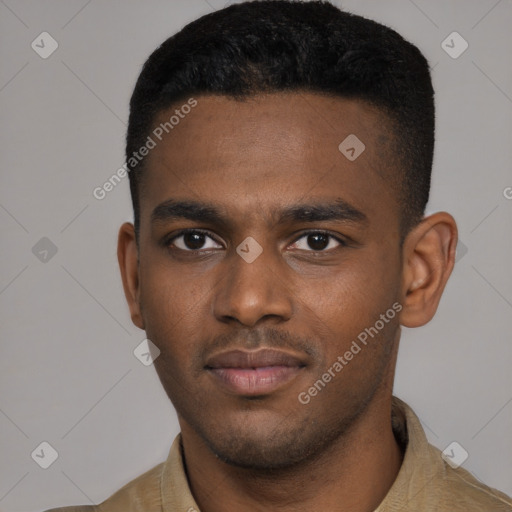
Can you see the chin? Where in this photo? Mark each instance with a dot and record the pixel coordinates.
(260, 455)
(264, 447)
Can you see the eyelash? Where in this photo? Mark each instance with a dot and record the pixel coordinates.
(168, 241)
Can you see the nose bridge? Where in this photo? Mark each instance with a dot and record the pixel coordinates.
(252, 287)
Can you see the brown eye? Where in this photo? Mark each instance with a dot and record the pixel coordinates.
(193, 241)
(317, 241)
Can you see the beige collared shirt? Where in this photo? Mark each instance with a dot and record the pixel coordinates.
(425, 482)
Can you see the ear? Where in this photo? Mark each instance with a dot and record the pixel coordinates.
(127, 255)
(428, 256)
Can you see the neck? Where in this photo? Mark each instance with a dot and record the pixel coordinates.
(356, 471)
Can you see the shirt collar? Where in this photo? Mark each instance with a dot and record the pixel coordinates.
(412, 477)
(176, 494)
(420, 463)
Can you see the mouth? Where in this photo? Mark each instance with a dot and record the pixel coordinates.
(254, 373)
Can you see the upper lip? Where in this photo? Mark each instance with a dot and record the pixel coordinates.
(254, 359)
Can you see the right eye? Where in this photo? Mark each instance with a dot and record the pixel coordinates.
(192, 240)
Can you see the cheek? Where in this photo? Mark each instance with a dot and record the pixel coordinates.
(364, 283)
(352, 300)
(356, 344)
(166, 292)
(170, 310)
(170, 306)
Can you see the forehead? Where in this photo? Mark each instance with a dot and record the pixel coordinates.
(267, 149)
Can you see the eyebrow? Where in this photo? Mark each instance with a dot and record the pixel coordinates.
(338, 210)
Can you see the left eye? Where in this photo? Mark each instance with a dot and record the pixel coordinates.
(317, 242)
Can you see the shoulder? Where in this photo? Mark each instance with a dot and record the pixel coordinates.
(459, 490)
(78, 508)
(429, 481)
(139, 495)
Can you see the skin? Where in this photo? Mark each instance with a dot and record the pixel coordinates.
(252, 159)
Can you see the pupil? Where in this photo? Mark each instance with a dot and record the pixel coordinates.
(318, 241)
(194, 240)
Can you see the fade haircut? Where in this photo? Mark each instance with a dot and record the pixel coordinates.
(283, 46)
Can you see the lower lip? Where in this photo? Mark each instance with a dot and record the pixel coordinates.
(255, 381)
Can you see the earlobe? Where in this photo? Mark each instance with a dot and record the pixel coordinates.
(429, 257)
(127, 255)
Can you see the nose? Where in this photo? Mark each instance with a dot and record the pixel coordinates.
(251, 291)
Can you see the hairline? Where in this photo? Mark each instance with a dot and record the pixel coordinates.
(381, 110)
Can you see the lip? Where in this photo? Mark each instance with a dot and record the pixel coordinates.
(254, 373)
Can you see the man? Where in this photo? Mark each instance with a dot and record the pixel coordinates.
(280, 157)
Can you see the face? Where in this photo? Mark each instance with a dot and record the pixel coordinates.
(291, 252)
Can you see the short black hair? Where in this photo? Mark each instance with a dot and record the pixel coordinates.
(284, 45)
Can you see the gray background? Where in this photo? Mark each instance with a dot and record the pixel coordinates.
(68, 374)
